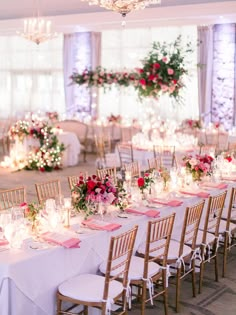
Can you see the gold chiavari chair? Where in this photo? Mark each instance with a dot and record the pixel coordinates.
(125, 153)
(146, 269)
(183, 252)
(208, 238)
(74, 179)
(110, 171)
(227, 228)
(133, 168)
(12, 197)
(47, 190)
(166, 155)
(102, 291)
(154, 163)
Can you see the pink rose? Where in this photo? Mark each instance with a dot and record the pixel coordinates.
(170, 71)
(165, 59)
(142, 81)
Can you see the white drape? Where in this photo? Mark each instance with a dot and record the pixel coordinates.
(30, 76)
(205, 57)
(81, 51)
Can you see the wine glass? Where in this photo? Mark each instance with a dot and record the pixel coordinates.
(5, 219)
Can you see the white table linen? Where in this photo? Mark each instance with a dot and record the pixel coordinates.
(29, 278)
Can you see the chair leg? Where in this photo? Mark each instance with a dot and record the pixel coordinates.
(86, 310)
(144, 297)
(59, 302)
(177, 293)
(193, 278)
(202, 265)
(225, 254)
(165, 296)
(216, 268)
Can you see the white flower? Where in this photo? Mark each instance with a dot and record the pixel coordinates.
(193, 162)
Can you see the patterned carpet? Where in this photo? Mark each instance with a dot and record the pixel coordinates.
(217, 298)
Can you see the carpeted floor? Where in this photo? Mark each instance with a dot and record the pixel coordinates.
(218, 298)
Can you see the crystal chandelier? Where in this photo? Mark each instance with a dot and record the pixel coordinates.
(123, 6)
(37, 30)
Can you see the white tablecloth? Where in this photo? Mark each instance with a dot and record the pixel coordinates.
(29, 278)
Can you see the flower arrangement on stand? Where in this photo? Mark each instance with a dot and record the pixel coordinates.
(91, 192)
(48, 155)
(20, 129)
(198, 166)
(162, 72)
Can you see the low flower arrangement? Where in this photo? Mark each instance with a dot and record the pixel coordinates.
(90, 192)
(114, 119)
(145, 182)
(53, 116)
(192, 124)
(198, 166)
(165, 175)
(162, 72)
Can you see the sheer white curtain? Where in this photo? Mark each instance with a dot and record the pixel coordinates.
(31, 76)
(125, 49)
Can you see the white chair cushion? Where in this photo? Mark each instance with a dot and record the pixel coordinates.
(209, 238)
(222, 226)
(173, 250)
(89, 288)
(136, 268)
(225, 214)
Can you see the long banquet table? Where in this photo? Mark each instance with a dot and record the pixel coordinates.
(29, 278)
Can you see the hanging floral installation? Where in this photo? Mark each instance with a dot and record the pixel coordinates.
(162, 72)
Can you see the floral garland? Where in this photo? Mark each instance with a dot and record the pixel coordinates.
(48, 156)
(162, 72)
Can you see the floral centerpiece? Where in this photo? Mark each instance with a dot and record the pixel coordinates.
(145, 182)
(53, 116)
(165, 175)
(114, 119)
(192, 123)
(162, 72)
(92, 191)
(31, 211)
(198, 166)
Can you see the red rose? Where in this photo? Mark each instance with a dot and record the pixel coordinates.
(91, 184)
(156, 66)
(146, 174)
(151, 77)
(142, 81)
(228, 158)
(140, 70)
(42, 169)
(140, 182)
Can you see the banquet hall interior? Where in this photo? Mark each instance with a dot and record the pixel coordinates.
(116, 114)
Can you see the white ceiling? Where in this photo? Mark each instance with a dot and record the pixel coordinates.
(75, 15)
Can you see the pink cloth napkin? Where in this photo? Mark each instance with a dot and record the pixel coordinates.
(231, 178)
(101, 225)
(62, 240)
(148, 213)
(171, 203)
(215, 185)
(3, 242)
(200, 194)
